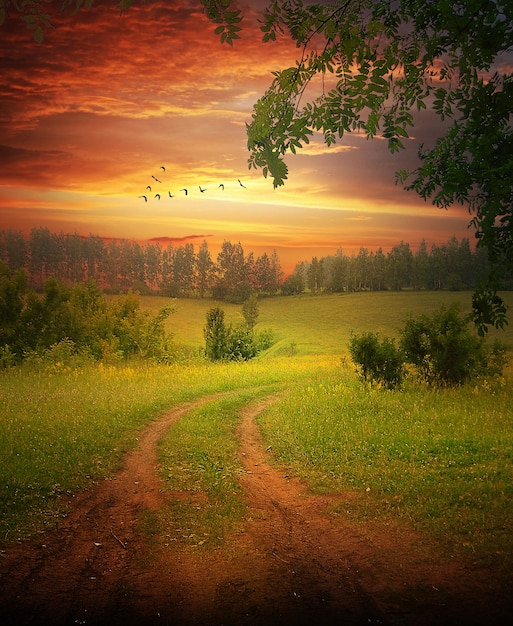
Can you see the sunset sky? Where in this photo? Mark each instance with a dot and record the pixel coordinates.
(92, 113)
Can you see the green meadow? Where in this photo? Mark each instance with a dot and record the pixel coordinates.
(438, 460)
(317, 324)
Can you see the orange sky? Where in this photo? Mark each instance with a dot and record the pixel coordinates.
(91, 114)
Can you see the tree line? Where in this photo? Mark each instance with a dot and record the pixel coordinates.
(452, 266)
(119, 265)
(182, 271)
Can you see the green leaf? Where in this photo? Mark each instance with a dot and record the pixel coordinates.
(232, 16)
(394, 144)
(401, 131)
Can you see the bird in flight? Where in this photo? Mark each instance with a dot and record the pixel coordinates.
(241, 184)
(202, 190)
(222, 186)
(145, 198)
(155, 178)
(162, 168)
(170, 194)
(157, 195)
(184, 190)
(148, 187)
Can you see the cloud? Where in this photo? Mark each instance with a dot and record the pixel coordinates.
(22, 166)
(88, 116)
(171, 240)
(318, 148)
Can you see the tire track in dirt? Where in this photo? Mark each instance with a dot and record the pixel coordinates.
(325, 569)
(292, 562)
(302, 577)
(82, 572)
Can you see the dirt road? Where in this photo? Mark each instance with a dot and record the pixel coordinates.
(294, 562)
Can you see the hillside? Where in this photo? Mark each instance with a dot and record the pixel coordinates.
(319, 324)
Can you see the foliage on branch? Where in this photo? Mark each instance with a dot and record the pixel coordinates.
(228, 19)
(379, 63)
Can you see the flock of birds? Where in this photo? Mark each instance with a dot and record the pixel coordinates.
(158, 196)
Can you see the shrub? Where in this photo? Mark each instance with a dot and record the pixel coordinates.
(239, 343)
(264, 339)
(7, 357)
(446, 351)
(69, 323)
(377, 360)
(62, 354)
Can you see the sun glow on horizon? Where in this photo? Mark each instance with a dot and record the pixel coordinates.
(82, 137)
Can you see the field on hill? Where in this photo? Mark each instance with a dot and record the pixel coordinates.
(436, 461)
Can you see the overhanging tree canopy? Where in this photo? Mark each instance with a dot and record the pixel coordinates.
(384, 61)
(381, 61)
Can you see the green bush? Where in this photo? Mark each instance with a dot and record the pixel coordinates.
(239, 343)
(7, 357)
(68, 323)
(446, 351)
(444, 348)
(377, 360)
(264, 339)
(60, 355)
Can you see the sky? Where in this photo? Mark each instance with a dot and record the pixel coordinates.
(93, 115)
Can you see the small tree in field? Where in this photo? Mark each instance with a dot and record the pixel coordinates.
(216, 334)
(250, 311)
(377, 360)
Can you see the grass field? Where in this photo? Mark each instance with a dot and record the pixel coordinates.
(439, 459)
(317, 324)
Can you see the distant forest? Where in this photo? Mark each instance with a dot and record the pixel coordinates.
(181, 271)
